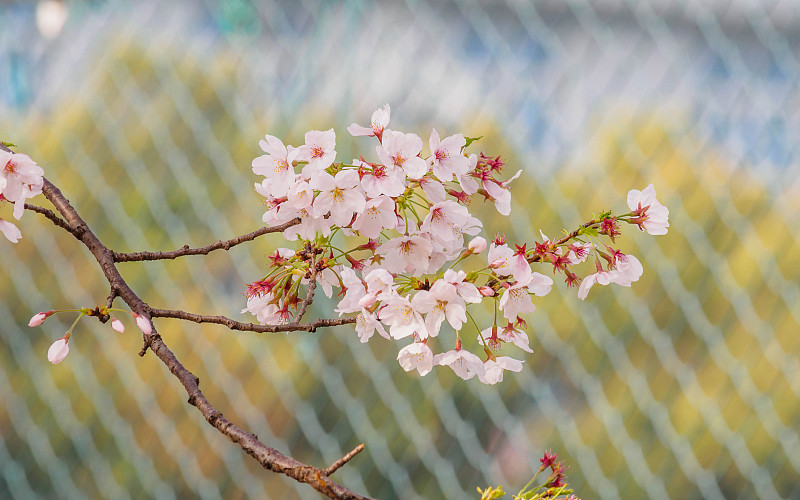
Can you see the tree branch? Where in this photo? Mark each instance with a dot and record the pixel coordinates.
(185, 250)
(250, 327)
(339, 463)
(269, 458)
(55, 219)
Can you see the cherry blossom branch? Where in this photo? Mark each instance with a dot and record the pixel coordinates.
(185, 250)
(269, 458)
(250, 327)
(566, 238)
(312, 286)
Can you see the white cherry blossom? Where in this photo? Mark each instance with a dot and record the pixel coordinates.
(338, 196)
(378, 214)
(655, 219)
(465, 364)
(416, 356)
(446, 157)
(402, 150)
(319, 151)
(406, 254)
(379, 121)
(493, 369)
(276, 165)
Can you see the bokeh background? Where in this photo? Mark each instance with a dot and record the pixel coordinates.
(147, 115)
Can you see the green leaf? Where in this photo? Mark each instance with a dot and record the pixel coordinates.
(12, 145)
(589, 231)
(470, 140)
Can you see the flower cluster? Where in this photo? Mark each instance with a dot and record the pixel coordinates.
(20, 178)
(389, 230)
(552, 488)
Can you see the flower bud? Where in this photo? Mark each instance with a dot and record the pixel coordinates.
(486, 291)
(117, 325)
(477, 245)
(58, 351)
(368, 300)
(39, 318)
(143, 324)
(497, 263)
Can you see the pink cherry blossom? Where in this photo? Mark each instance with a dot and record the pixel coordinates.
(309, 226)
(379, 281)
(446, 157)
(22, 179)
(402, 318)
(602, 277)
(378, 214)
(379, 121)
(500, 259)
(406, 254)
(499, 193)
(466, 290)
(628, 268)
(58, 351)
(117, 325)
(416, 355)
(339, 196)
(465, 364)
(433, 189)
(515, 301)
(402, 150)
(366, 325)
(319, 151)
(355, 292)
(493, 369)
(438, 303)
(382, 180)
(445, 220)
(300, 194)
(276, 165)
(654, 220)
(513, 335)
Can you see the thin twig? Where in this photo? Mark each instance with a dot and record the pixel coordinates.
(339, 463)
(250, 327)
(185, 250)
(55, 219)
(312, 286)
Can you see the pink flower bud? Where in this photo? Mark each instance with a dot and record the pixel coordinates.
(368, 300)
(497, 263)
(39, 318)
(58, 351)
(143, 324)
(117, 325)
(477, 245)
(486, 291)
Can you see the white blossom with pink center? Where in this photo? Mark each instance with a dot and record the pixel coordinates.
(309, 226)
(466, 290)
(382, 180)
(354, 291)
(440, 302)
(513, 335)
(319, 151)
(262, 308)
(602, 277)
(402, 318)
(22, 179)
(402, 151)
(406, 254)
(493, 369)
(656, 216)
(628, 268)
(500, 257)
(465, 364)
(446, 158)
(379, 121)
(276, 165)
(416, 356)
(500, 194)
(378, 214)
(379, 281)
(446, 220)
(366, 325)
(433, 189)
(300, 194)
(338, 196)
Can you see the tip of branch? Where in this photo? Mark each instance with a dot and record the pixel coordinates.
(339, 463)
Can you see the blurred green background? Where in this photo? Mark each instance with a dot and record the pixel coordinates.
(148, 114)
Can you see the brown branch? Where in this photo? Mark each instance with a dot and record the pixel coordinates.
(339, 463)
(269, 458)
(185, 250)
(55, 219)
(312, 286)
(249, 327)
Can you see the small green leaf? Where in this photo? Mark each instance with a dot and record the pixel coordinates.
(589, 231)
(470, 140)
(8, 144)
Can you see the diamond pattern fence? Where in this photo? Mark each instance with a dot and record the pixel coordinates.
(148, 114)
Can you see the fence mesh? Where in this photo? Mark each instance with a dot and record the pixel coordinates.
(148, 114)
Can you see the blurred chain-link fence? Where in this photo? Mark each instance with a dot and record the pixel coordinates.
(148, 114)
